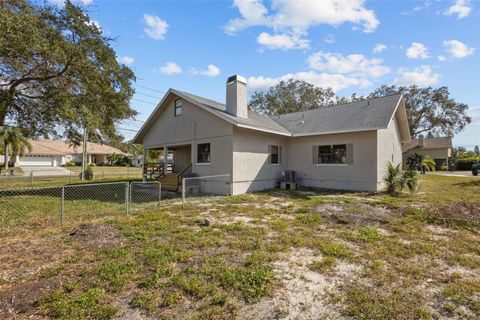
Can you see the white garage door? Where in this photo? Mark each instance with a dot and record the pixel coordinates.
(43, 161)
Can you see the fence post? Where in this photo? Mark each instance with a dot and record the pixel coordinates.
(231, 184)
(183, 193)
(62, 205)
(31, 179)
(159, 193)
(127, 192)
(70, 178)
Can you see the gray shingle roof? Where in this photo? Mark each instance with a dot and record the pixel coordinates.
(254, 119)
(370, 114)
(429, 143)
(365, 115)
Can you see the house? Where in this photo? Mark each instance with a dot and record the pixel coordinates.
(343, 147)
(439, 149)
(53, 153)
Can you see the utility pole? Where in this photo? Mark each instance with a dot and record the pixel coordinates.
(84, 153)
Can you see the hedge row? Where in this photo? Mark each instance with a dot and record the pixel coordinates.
(464, 164)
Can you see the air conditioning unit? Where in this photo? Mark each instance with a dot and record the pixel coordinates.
(289, 176)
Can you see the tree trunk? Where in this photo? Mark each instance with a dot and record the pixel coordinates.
(5, 158)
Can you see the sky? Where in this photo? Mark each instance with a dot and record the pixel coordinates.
(351, 46)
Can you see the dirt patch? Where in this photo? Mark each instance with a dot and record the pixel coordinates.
(97, 236)
(461, 211)
(21, 299)
(303, 292)
(26, 258)
(358, 214)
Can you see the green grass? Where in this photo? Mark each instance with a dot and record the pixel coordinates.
(399, 266)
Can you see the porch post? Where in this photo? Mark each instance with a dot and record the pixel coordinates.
(165, 158)
(144, 165)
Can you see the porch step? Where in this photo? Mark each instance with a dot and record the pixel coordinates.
(169, 182)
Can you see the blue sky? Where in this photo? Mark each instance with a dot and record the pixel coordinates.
(352, 46)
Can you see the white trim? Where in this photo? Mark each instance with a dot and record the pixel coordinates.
(203, 163)
(332, 165)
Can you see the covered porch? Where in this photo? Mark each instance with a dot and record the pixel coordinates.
(172, 163)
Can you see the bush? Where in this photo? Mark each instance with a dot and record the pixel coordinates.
(397, 179)
(70, 164)
(465, 164)
(88, 173)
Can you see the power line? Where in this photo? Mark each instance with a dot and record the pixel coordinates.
(143, 101)
(155, 90)
(147, 95)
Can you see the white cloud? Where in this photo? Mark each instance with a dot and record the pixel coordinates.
(422, 76)
(126, 60)
(458, 49)
(417, 50)
(379, 47)
(293, 17)
(282, 41)
(335, 81)
(353, 64)
(461, 8)
(156, 28)
(170, 68)
(211, 71)
(441, 58)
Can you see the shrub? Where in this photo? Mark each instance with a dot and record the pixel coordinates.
(88, 173)
(397, 179)
(70, 164)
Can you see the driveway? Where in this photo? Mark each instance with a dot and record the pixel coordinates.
(455, 173)
(45, 171)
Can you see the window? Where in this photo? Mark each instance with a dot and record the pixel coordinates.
(203, 153)
(336, 154)
(275, 152)
(178, 107)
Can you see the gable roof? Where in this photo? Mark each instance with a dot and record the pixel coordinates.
(372, 114)
(429, 143)
(61, 147)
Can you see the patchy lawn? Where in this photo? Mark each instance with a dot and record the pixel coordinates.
(305, 254)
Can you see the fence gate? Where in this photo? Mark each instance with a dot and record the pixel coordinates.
(144, 195)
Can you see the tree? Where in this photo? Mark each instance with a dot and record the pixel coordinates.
(476, 149)
(14, 142)
(290, 96)
(430, 111)
(113, 158)
(58, 72)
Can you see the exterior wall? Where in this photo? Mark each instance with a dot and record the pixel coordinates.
(360, 175)
(389, 149)
(251, 160)
(193, 127)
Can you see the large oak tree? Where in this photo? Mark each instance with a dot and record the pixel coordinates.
(58, 72)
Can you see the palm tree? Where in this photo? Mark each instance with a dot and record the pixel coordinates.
(14, 141)
(427, 164)
(112, 158)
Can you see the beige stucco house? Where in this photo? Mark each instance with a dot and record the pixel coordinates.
(440, 149)
(340, 147)
(54, 153)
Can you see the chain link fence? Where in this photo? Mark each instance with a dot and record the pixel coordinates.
(206, 186)
(39, 178)
(45, 206)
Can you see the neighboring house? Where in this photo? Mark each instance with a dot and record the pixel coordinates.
(340, 147)
(440, 149)
(53, 153)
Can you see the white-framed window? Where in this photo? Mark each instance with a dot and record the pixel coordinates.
(178, 107)
(275, 154)
(334, 154)
(203, 153)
